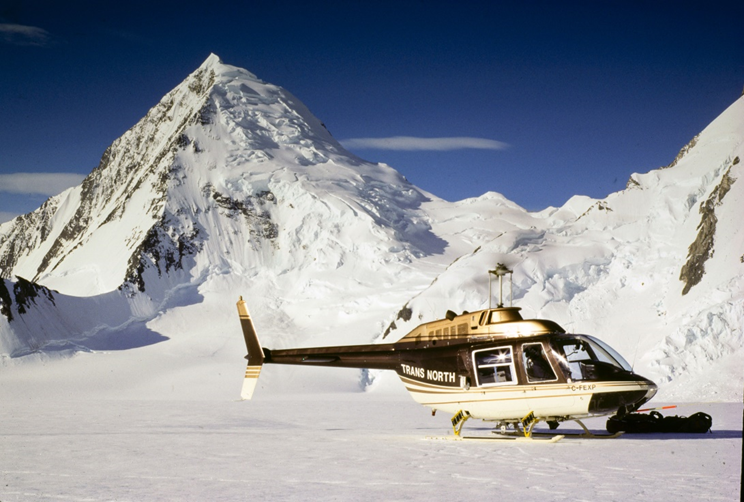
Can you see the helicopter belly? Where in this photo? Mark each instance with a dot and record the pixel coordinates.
(578, 399)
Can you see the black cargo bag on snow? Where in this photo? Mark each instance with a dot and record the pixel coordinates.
(655, 422)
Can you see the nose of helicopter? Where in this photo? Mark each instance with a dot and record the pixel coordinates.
(652, 388)
(630, 397)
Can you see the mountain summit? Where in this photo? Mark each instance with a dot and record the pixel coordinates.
(224, 170)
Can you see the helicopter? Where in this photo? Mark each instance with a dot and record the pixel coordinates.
(489, 364)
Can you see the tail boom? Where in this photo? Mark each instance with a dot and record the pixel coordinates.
(375, 356)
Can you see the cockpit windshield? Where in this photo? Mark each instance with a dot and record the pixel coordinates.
(577, 356)
(611, 354)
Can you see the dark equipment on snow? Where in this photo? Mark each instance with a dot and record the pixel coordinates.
(655, 422)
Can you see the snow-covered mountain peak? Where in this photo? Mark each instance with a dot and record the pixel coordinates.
(214, 64)
(224, 171)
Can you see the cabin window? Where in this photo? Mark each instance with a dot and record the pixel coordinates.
(536, 364)
(445, 332)
(494, 317)
(439, 334)
(462, 329)
(495, 366)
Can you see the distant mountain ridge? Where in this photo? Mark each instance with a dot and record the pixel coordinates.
(231, 186)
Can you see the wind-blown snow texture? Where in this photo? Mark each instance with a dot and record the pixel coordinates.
(343, 446)
(230, 186)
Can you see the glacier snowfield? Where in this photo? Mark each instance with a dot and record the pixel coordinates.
(339, 446)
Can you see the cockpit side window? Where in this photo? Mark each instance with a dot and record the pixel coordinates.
(536, 364)
(579, 356)
(570, 354)
(495, 366)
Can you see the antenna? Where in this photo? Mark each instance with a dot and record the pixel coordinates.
(500, 271)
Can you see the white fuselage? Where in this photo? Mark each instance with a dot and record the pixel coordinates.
(546, 401)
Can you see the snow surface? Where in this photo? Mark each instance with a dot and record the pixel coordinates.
(340, 446)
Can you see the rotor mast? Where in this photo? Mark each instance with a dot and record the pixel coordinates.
(500, 271)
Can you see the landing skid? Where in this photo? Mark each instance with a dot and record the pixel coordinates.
(525, 435)
(587, 434)
(501, 439)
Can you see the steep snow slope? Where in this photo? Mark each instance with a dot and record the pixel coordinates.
(34, 318)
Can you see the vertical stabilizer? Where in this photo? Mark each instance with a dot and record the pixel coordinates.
(250, 381)
(255, 352)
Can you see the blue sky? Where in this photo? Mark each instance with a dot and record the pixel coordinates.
(572, 97)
